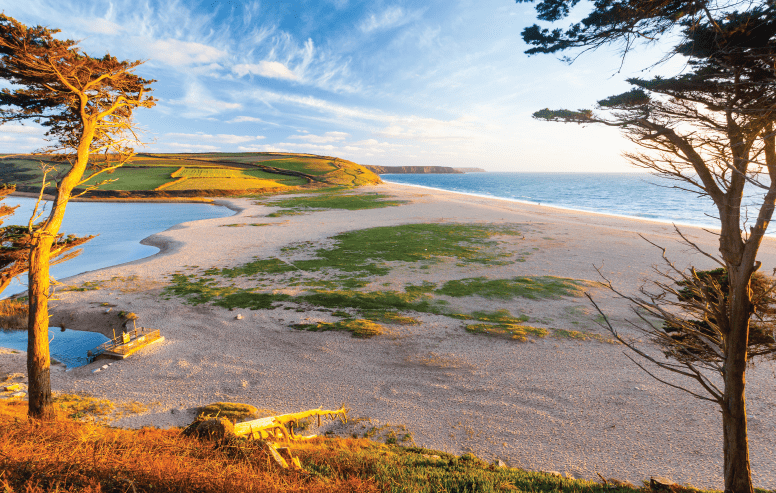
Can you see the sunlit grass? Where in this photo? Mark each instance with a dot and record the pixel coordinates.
(68, 456)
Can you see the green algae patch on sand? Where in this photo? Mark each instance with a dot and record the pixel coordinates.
(524, 287)
(248, 299)
(262, 266)
(197, 291)
(500, 316)
(390, 317)
(511, 331)
(370, 300)
(368, 250)
(360, 328)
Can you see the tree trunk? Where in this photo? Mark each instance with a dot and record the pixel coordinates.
(38, 359)
(738, 475)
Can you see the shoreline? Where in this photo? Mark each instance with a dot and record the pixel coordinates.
(560, 207)
(48, 197)
(577, 407)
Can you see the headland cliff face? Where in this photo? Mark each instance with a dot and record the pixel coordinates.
(382, 170)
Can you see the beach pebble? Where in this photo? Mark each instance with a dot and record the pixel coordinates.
(658, 483)
(96, 371)
(238, 317)
(104, 367)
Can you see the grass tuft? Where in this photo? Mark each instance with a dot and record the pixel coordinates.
(511, 331)
(362, 329)
(233, 411)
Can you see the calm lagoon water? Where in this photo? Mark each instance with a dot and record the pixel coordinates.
(120, 226)
(637, 195)
(66, 346)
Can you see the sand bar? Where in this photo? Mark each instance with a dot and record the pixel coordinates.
(577, 407)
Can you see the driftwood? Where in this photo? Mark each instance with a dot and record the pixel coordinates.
(270, 429)
(276, 428)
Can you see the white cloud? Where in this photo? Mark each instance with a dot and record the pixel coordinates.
(241, 119)
(314, 147)
(181, 53)
(221, 138)
(264, 148)
(201, 104)
(99, 25)
(20, 129)
(321, 139)
(190, 147)
(272, 70)
(394, 126)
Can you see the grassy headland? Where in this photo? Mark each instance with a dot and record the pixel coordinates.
(187, 175)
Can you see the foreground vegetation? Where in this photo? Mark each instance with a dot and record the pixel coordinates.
(72, 456)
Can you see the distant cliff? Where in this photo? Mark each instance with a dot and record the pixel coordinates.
(382, 170)
(471, 170)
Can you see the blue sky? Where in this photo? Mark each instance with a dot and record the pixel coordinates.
(434, 83)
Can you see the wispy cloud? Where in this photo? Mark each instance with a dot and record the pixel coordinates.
(221, 138)
(182, 147)
(265, 148)
(321, 139)
(200, 103)
(180, 53)
(251, 119)
(389, 18)
(21, 129)
(273, 70)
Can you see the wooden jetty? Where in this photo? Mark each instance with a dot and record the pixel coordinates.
(126, 344)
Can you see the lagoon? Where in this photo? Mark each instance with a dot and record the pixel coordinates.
(120, 226)
(66, 346)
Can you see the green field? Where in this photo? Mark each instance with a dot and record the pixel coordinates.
(170, 173)
(134, 179)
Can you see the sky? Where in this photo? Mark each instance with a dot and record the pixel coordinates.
(390, 83)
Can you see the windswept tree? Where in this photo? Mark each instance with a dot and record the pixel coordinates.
(711, 129)
(86, 104)
(15, 245)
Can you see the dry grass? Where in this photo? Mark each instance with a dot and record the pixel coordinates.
(13, 315)
(171, 183)
(208, 173)
(224, 184)
(67, 456)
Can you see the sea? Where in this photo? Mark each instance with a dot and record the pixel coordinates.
(630, 195)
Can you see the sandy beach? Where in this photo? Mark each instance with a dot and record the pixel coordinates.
(552, 404)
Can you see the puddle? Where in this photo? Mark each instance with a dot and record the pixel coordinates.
(68, 347)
